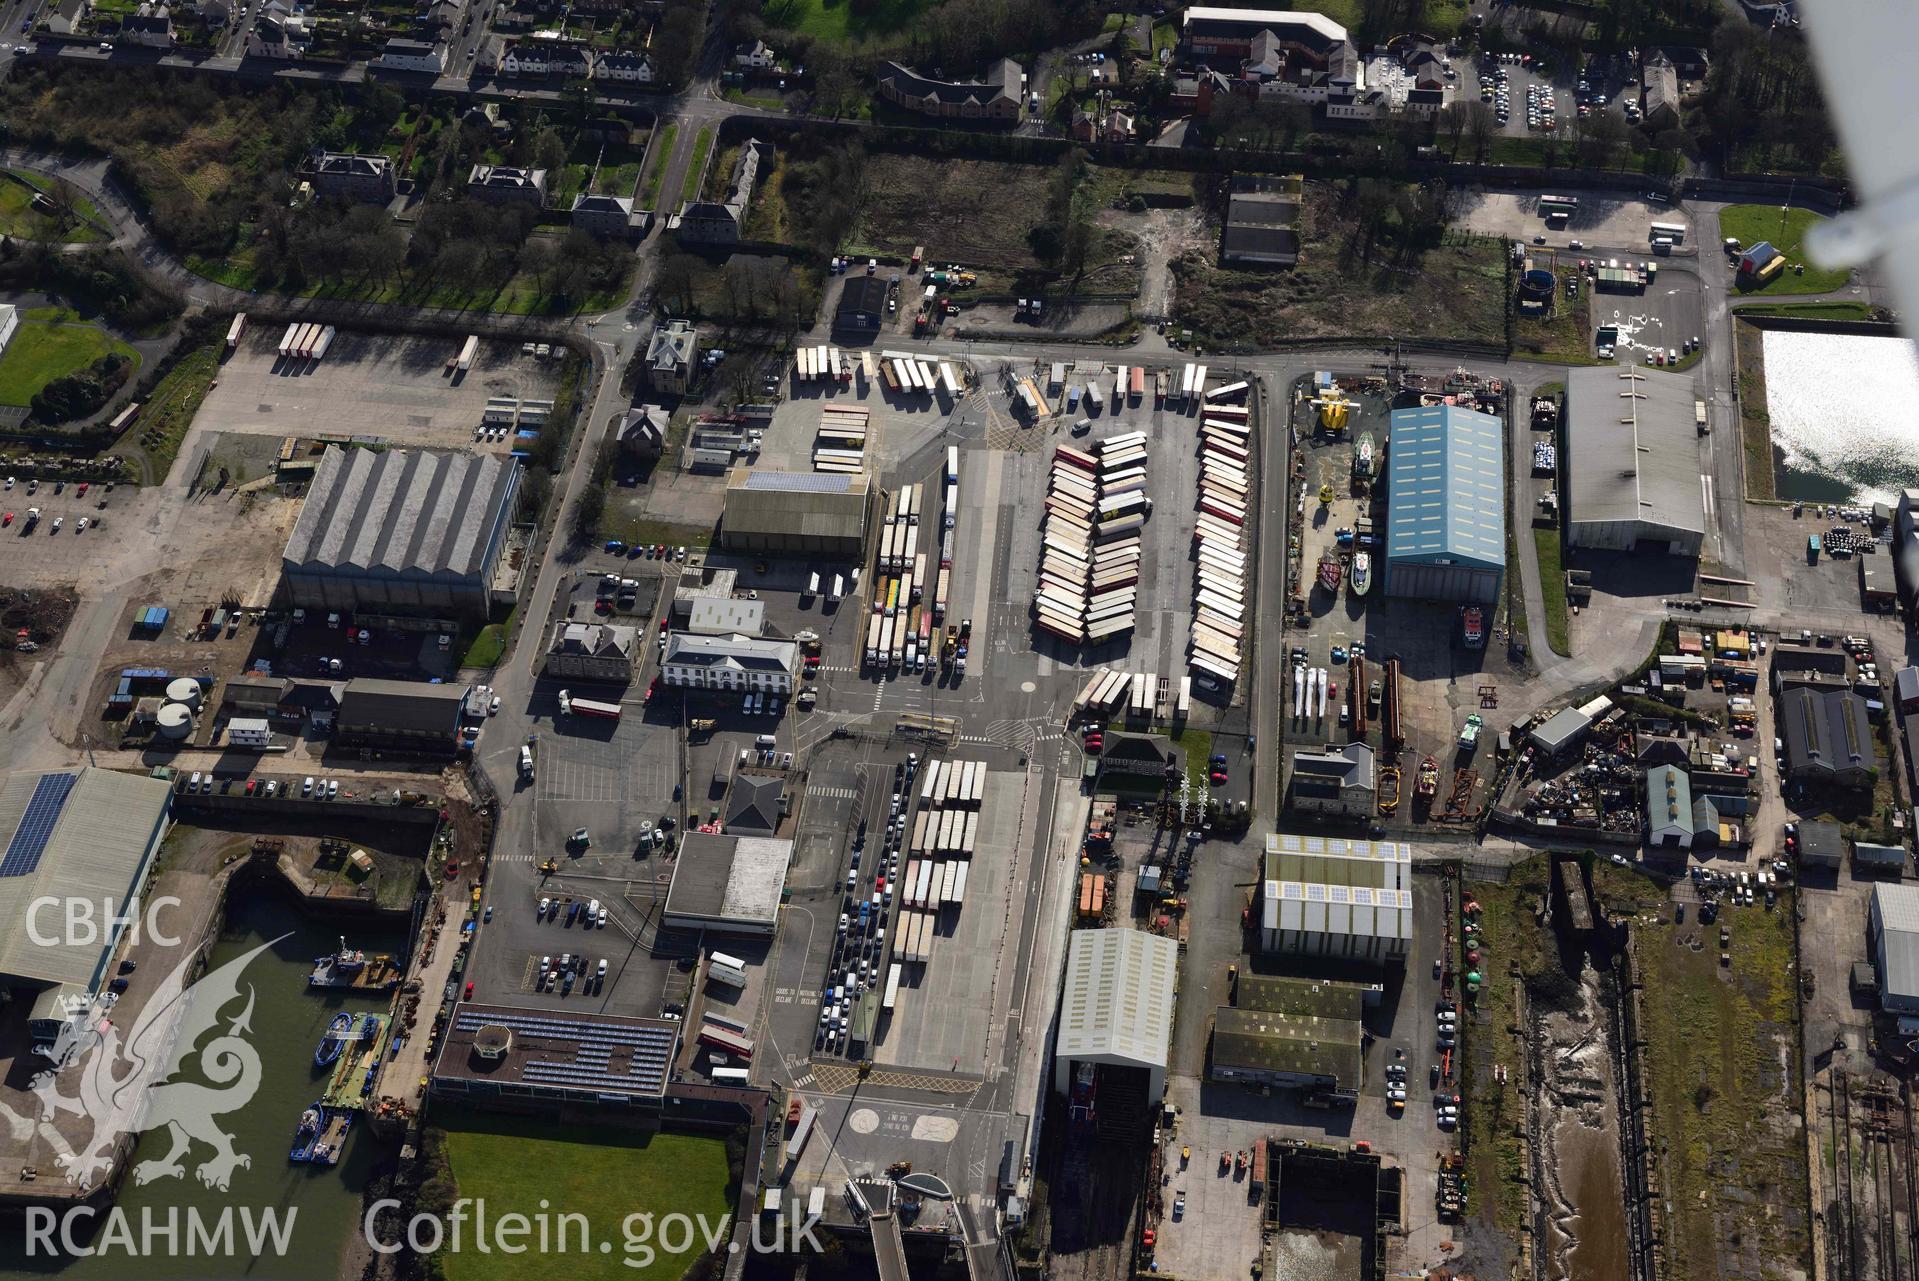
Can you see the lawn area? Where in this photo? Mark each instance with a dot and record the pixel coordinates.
(519, 1165)
(1455, 290)
(623, 521)
(51, 343)
(656, 171)
(489, 643)
(19, 219)
(1198, 746)
(154, 440)
(696, 165)
(1723, 1054)
(1552, 587)
(836, 22)
(1807, 310)
(1753, 223)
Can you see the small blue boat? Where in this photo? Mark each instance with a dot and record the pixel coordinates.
(334, 1041)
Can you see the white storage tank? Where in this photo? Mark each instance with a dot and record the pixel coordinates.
(184, 689)
(175, 721)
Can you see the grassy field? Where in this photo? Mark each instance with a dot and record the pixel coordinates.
(696, 166)
(834, 21)
(1552, 588)
(1455, 290)
(1755, 423)
(155, 439)
(656, 171)
(520, 1165)
(977, 213)
(1808, 310)
(51, 343)
(1753, 223)
(519, 296)
(1723, 1050)
(20, 220)
(1496, 1119)
(970, 211)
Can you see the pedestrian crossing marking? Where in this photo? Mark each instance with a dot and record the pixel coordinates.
(835, 793)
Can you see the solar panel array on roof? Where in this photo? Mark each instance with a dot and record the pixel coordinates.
(646, 1051)
(799, 482)
(36, 825)
(1446, 486)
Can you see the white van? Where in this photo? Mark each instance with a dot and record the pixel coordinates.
(766, 740)
(526, 761)
(839, 589)
(813, 585)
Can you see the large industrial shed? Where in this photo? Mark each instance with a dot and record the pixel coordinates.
(1894, 926)
(401, 532)
(1116, 1017)
(816, 514)
(1632, 462)
(71, 836)
(1333, 897)
(1445, 505)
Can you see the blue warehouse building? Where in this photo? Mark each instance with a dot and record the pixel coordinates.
(1445, 505)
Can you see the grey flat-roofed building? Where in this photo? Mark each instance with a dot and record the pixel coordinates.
(409, 717)
(1562, 731)
(1894, 926)
(84, 835)
(815, 514)
(1631, 474)
(729, 884)
(1821, 844)
(1445, 505)
(401, 532)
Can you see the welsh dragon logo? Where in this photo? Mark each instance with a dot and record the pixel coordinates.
(126, 1085)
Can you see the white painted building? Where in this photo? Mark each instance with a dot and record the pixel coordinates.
(743, 664)
(249, 731)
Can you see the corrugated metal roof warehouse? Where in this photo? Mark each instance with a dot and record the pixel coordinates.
(795, 513)
(401, 531)
(1445, 505)
(1632, 473)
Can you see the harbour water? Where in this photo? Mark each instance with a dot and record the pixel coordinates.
(323, 1203)
(1842, 427)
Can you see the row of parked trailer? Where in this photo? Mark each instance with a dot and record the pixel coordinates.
(1096, 505)
(300, 342)
(1138, 694)
(953, 784)
(899, 630)
(839, 445)
(1219, 531)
